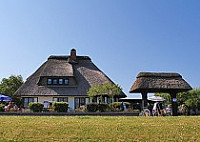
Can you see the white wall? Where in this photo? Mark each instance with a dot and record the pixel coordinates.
(71, 102)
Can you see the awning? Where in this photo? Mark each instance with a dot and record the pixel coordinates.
(4, 98)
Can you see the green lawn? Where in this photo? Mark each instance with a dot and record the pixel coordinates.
(95, 128)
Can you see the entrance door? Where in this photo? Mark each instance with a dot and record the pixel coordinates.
(79, 101)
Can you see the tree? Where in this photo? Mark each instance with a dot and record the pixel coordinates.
(9, 86)
(107, 89)
(190, 98)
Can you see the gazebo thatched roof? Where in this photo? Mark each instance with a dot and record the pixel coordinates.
(82, 69)
(159, 82)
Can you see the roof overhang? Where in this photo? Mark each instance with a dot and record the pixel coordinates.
(159, 82)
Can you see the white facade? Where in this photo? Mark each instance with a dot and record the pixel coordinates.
(71, 100)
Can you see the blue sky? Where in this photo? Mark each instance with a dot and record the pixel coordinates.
(123, 37)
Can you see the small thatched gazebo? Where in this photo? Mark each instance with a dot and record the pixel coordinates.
(171, 83)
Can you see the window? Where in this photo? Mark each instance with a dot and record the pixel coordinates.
(55, 81)
(60, 99)
(49, 81)
(66, 81)
(60, 81)
(109, 100)
(94, 99)
(27, 101)
(63, 99)
(79, 102)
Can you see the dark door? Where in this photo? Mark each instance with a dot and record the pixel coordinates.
(79, 101)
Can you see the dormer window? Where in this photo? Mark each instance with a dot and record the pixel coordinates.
(49, 81)
(55, 81)
(66, 81)
(60, 81)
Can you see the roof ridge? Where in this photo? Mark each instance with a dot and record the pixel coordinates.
(65, 57)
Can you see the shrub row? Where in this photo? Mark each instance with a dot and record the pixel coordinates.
(60, 106)
(57, 106)
(102, 107)
(36, 107)
(63, 107)
(2, 107)
(94, 107)
(116, 106)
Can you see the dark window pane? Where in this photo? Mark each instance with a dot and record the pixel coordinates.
(82, 101)
(49, 81)
(63, 99)
(27, 101)
(55, 81)
(94, 100)
(66, 81)
(60, 81)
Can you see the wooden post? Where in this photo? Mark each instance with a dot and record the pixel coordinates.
(144, 100)
(174, 104)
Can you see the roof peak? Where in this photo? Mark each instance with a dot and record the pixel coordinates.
(64, 57)
(158, 74)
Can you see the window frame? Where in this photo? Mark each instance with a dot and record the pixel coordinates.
(55, 83)
(64, 82)
(58, 99)
(30, 100)
(58, 81)
(49, 81)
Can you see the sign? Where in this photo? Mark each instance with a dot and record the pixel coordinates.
(174, 100)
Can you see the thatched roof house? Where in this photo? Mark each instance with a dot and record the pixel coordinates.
(159, 82)
(63, 78)
(148, 82)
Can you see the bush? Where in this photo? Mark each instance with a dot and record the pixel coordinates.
(81, 109)
(102, 107)
(2, 107)
(94, 107)
(116, 106)
(60, 106)
(36, 107)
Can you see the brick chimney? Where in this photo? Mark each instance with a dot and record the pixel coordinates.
(73, 54)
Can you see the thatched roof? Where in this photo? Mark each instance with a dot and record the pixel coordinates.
(82, 69)
(159, 82)
(57, 68)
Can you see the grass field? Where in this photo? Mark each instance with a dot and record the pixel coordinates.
(96, 128)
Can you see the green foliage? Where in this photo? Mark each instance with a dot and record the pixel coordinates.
(10, 85)
(17, 100)
(2, 107)
(102, 107)
(60, 106)
(107, 89)
(116, 106)
(36, 107)
(190, 98)
(166, 96)
(94, 107)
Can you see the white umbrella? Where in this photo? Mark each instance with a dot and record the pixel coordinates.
(156, 99)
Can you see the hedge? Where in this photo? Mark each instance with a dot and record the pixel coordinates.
(60, 106)
(2, 107)
(36, 107)
(94, 107)
(116, 106)
(102, 107)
